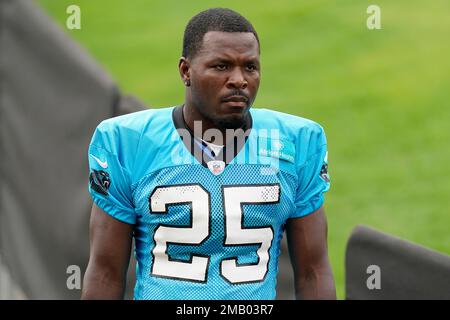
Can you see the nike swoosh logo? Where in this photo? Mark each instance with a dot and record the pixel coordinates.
(103, 164)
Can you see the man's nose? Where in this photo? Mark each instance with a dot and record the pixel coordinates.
(237, 80)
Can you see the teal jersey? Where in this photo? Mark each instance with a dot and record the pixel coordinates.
(207, 228)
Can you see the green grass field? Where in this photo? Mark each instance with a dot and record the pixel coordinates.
(381, 95)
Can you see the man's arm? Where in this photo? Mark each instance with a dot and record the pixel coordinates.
(110, 242)
(307, 241)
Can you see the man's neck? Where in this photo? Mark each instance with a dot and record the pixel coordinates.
(191, 115)
(198, 125)
(234, 139)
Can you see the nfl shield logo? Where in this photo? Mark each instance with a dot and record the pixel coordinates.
(216, 166)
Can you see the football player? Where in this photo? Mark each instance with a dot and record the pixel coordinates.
(207, 188)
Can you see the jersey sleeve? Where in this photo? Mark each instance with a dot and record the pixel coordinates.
(313, 177)
(109, 179)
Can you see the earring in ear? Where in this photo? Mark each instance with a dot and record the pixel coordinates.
(187, 83)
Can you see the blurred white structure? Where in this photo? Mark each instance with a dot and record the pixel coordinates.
(8, 289)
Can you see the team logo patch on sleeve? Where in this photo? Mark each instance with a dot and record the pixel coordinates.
(324, 171)
(100, 181)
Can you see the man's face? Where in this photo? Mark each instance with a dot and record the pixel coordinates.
(224, 76)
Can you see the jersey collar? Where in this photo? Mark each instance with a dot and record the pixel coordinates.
(229, 151)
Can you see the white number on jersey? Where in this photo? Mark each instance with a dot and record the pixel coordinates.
(199, 199)
(198, 232)
(234, 197)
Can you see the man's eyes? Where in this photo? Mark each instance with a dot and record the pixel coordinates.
(252, 67)
(223, 67)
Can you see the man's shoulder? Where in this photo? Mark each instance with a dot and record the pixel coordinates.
(289, 124)
(124, 132)
(135, 121)
(306, 136)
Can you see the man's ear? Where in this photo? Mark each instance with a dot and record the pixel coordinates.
(184, 67)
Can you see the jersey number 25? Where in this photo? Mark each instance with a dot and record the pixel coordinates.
(199, 230)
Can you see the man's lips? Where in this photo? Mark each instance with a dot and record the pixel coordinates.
(235, 98)
(235, 104)
(236, 101)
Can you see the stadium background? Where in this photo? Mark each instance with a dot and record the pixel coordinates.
(381, 95)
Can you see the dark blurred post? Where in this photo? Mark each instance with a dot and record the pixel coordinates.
(53, 94)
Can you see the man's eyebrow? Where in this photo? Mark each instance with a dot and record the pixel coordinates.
(228, 60)
(253, 60)
(220, 59)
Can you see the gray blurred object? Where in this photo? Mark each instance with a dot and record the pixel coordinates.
(285, 277)
(8, 289)
(407, 271)
(52, 96)
(128, 104)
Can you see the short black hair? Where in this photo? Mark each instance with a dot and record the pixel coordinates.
(215, 19)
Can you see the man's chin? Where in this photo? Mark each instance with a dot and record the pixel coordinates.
(233, 121)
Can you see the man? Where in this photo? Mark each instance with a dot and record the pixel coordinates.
(207, 188)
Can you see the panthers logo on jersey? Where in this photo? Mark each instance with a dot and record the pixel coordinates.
(100, 181)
